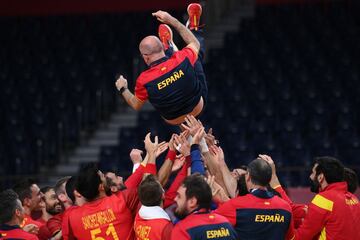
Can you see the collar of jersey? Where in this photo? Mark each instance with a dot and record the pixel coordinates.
(9, 227)
(154, 212)
(157, 62)
(262, 193)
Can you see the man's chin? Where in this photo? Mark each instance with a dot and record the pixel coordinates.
(180, 215)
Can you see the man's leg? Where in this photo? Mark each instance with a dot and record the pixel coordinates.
(194, 11)
(166, 37)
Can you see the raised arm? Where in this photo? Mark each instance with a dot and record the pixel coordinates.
(229, 181)
(165, 170)
(122, 86)
(184, 32)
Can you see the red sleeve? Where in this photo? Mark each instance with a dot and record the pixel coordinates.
(131, 198)
(290, 235)
(170, 194)
(190, 54)
(298, 210)
(228, 210)
(54, 224)
(44, 233)
(140, 90)
(134, 180)
(166, 233)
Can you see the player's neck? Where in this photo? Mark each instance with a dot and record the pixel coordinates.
(27, 211)
(46, 216)
(14, 221)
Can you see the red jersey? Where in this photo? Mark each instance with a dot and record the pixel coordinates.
(105, 218)
(171, 84)
(28, 220)
(203, 225)
(333, 214)
(15, 232)
(54, 224)
(44, 233)
(259, 215)
(152, 223)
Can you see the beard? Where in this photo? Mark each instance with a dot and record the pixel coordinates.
(314, 186)
(54, 209)
(180, 213)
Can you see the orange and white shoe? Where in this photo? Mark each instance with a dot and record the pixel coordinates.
(166, 36)
(194, 11)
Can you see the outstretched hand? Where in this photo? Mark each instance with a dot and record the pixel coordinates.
(151, 147)
(161, 148)
(192, 125)
(182, 145)
(135, 155)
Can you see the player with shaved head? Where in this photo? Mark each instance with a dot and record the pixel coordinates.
(175, 83)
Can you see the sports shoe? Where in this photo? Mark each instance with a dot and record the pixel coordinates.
(165, 35)
(194, 11)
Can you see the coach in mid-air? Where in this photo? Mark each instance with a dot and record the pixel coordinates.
(175, 82)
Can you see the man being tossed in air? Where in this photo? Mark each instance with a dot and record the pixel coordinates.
(174, 85)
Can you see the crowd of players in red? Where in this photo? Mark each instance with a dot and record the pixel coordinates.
(204, 201)
(193, 195)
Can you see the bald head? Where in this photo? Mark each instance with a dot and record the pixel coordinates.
(150, 45)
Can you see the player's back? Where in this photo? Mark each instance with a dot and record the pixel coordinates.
(204, 225)
(105, 218)
(258, 215)
(171, 85)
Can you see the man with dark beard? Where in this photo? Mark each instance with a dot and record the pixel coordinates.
(334, 213)
(52, 207)
(193, 203)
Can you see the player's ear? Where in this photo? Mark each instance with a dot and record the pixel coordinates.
(101, 187)
(192, 203)
(27, 202)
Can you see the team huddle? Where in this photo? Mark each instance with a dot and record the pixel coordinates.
(205, 200)
(193, 194)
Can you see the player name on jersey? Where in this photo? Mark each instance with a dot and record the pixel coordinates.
(97, 219)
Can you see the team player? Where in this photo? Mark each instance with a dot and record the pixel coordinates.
(259, 214)
(11, 216)
(30, 196)
(106, 217)
(52, 208)
(151, 222)
(193, 208)
(334, 213)
(172, 84)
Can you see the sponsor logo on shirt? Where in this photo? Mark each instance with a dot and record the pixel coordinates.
(269, 218)
(170, 80)
(351, 201)
(97, 219)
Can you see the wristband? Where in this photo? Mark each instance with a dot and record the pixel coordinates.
(121, 90)
(171, 155)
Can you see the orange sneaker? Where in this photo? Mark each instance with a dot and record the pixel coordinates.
(165, 35)
(194, 10)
